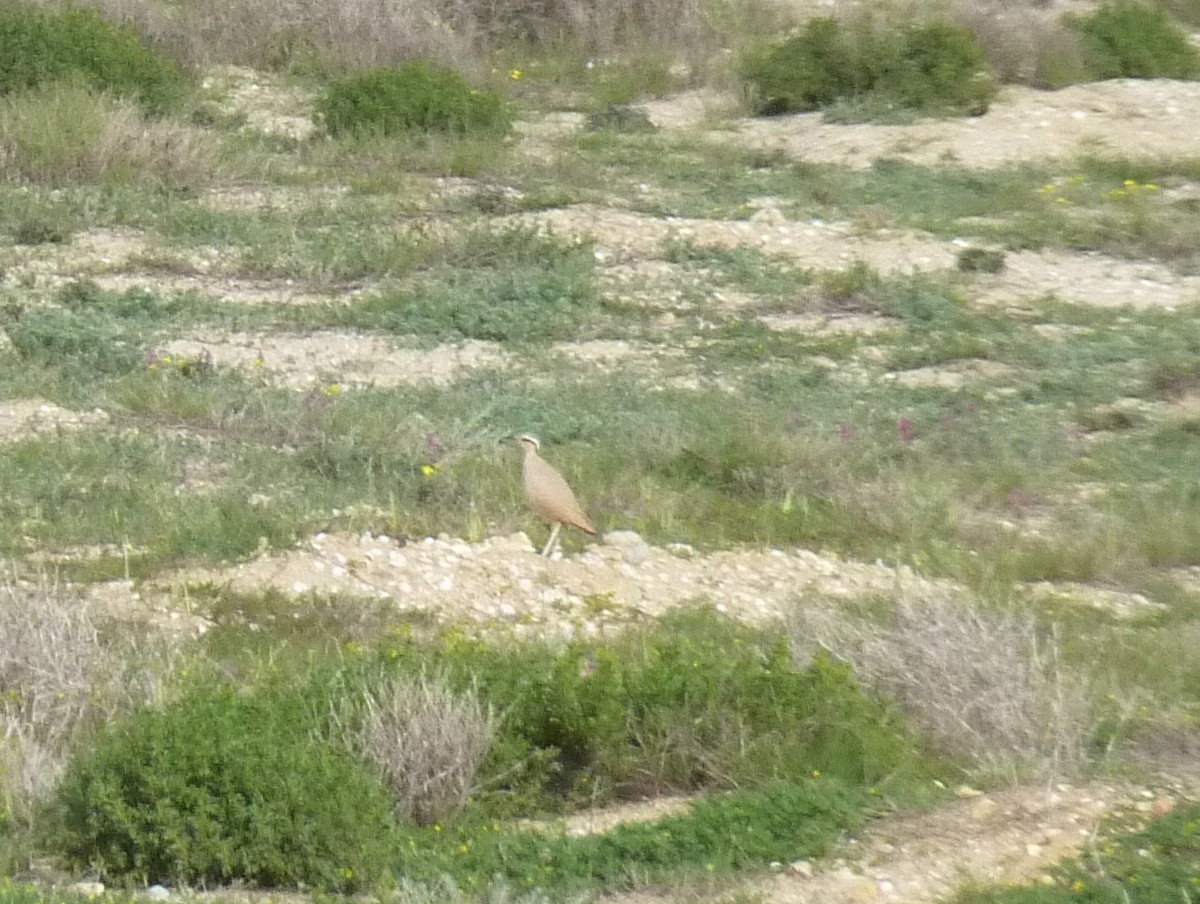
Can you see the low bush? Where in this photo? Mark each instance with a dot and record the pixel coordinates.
(45, 45)
(936, 68)
(700, 702)
(415, 97)
(808, 72)
(223, 786)
(941, 67)
(1125, 39)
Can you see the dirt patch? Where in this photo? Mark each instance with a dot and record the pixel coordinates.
(623, 235)
(1091, 279)
(952, 376)
(343, 360)
(1010, 836)
(268, 104)
(1135, 118)
(22, 418)
(503, 579)
(830, 324)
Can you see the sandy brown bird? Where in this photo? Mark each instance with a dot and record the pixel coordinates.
(548, 494)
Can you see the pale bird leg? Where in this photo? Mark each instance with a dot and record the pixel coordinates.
(553, 539)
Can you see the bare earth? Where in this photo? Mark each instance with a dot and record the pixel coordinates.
(1007, 836)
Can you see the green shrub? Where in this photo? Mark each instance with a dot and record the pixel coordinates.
(1125, 39)
(807, 72)
(942, 66)
(416, 97)
(221, 787)
(43, 45)
(937, 67)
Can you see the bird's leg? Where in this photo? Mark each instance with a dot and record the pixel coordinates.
(553, 538)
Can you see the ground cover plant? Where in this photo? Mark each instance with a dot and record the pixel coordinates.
(414, 97)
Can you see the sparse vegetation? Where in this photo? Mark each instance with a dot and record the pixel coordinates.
(228, 336)
(983, 686)
(62, 133)
(1155, 861)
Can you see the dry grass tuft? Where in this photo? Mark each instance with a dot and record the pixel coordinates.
(426, 741)
(981, 686)
(335, 38)
(307, 35)
(54, 676)
(1025, 44)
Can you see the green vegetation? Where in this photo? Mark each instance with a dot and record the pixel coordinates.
(270, 783)
(221, 787)
(936, 68)
(1127, 39)
(414, 97)
(43, 45)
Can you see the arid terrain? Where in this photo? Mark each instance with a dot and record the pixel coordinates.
(1009, 835)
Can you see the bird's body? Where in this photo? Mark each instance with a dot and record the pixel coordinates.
(548, 493)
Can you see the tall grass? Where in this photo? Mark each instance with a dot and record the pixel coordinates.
(63, 133)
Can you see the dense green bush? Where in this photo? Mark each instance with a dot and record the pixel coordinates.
(1125, 39)
(934, 68)
(39, 45)
(809, 71)
(941, 66)
(415, 97)
(223, 786)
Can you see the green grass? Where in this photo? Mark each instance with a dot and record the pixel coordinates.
(800, 460)
(723, 834)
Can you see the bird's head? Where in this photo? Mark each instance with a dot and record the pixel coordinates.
(528, 443)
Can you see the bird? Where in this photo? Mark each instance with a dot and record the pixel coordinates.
(548, 494)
